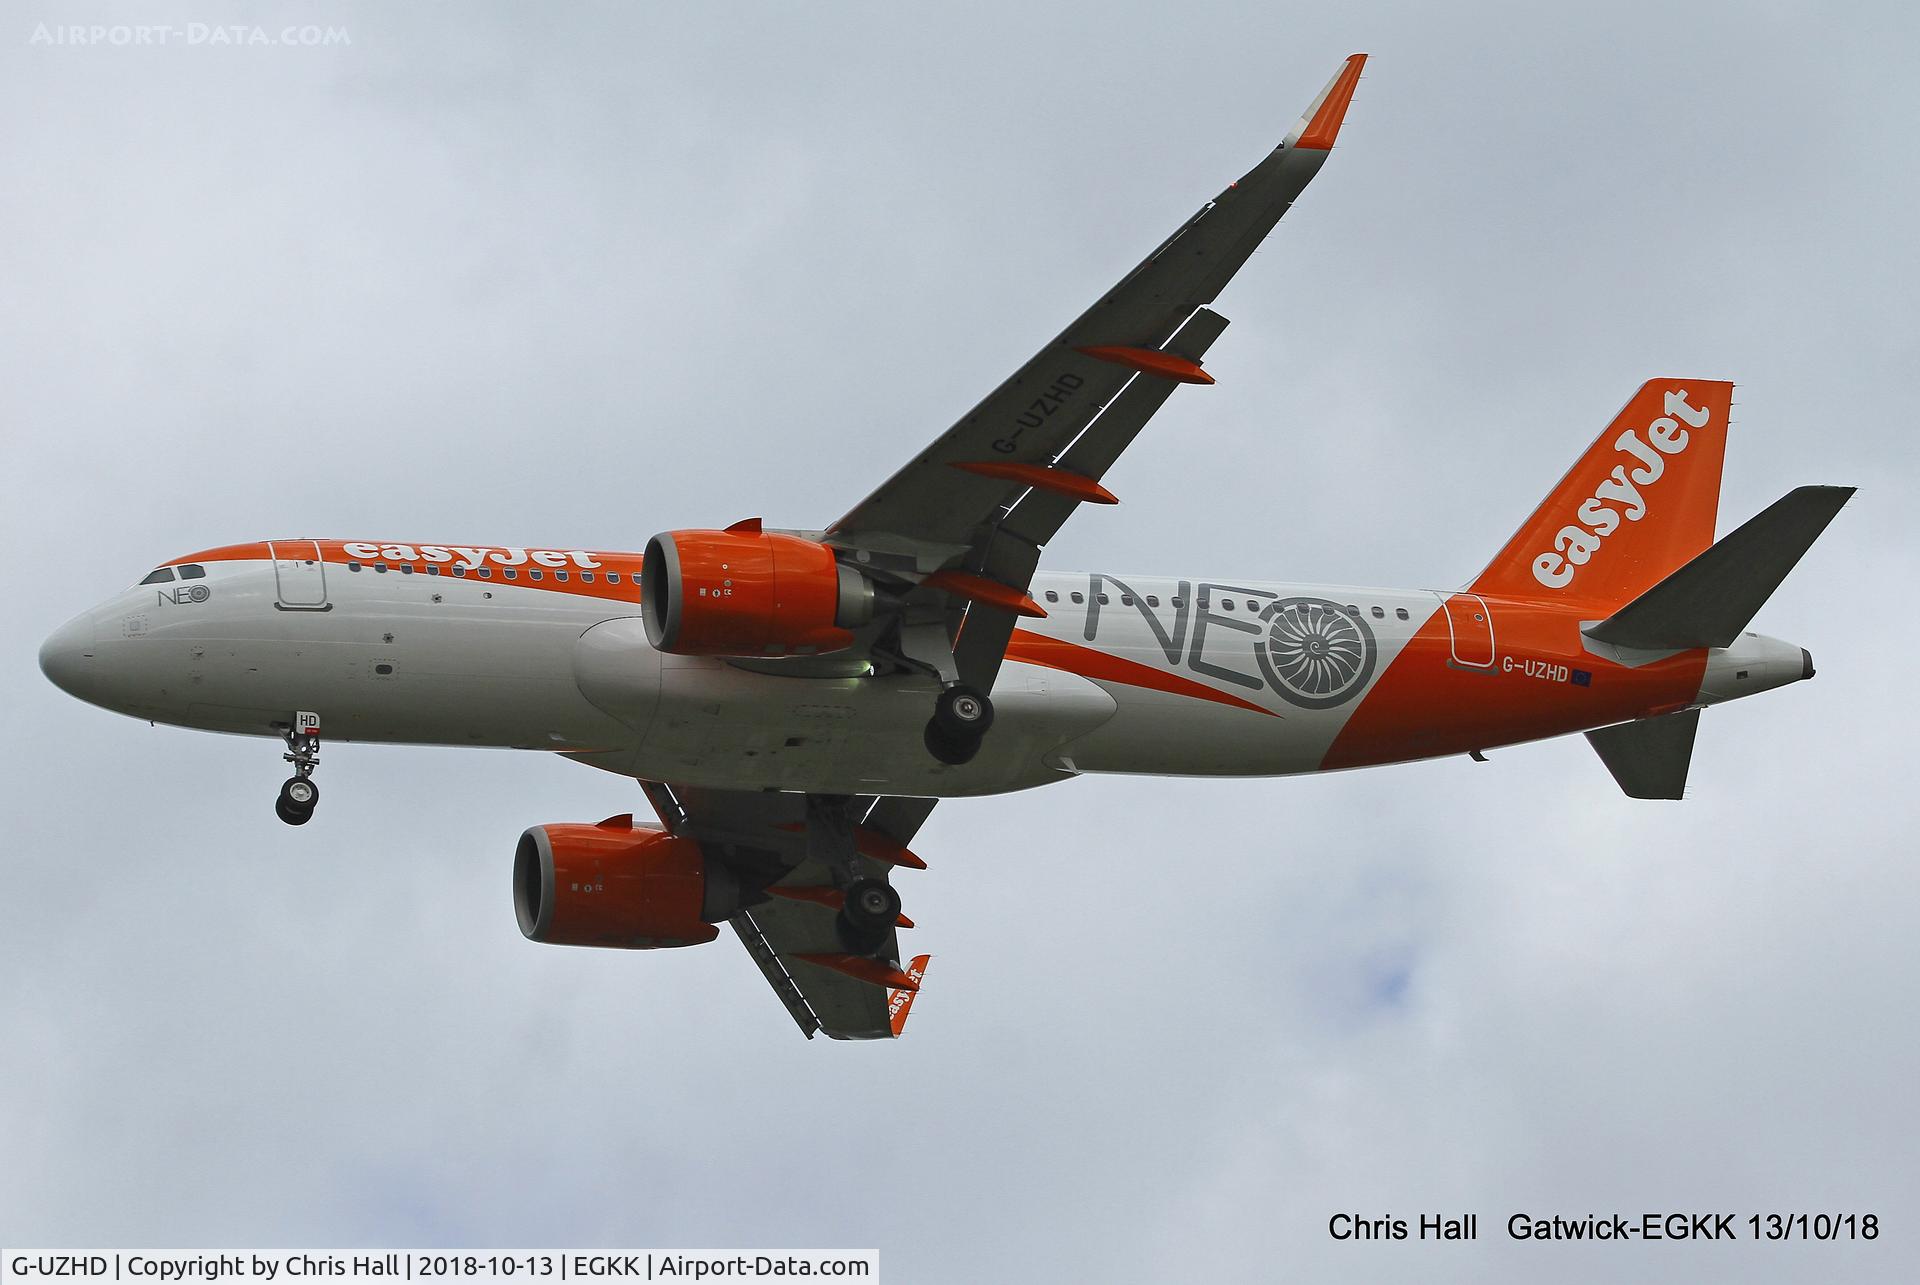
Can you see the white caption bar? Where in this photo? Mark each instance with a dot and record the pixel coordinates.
(280, 1266)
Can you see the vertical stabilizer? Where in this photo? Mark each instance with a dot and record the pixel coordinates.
(1640, 503)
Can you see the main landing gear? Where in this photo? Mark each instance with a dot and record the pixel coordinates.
(961, 717)
(300, 795)
(869, 907)
(872, 909)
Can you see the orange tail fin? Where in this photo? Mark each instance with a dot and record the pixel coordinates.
(1639, 504)
(900, 1001)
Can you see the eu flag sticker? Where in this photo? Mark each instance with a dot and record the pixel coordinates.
(1581, 678)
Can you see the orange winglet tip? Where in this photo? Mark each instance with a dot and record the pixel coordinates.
(831, 898)
(746, 526)
(1042, 478)
(622, 822)
(1151, 361)
(1334, 101)
(873, 971)
(965, 584)
(875, 846)
(900, 1002)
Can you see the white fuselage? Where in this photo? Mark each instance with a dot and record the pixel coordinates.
(1171, 678)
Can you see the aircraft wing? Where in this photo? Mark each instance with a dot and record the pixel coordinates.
(995, 487)
(760, 838)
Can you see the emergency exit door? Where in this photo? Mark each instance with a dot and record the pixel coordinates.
(1470, 625)
(300, 577)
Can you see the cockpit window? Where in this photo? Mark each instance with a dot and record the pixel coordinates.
(160, 576)
(192, 571)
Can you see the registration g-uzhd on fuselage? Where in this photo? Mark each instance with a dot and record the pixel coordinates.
(793, 702)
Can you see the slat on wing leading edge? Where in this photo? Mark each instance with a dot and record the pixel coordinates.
(1049, 401)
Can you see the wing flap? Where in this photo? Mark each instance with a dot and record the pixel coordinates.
(761, 838)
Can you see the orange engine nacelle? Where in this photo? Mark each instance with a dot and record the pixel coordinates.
(747, 592)
(613, 884)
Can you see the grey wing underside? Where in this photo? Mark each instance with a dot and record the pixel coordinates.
(757, 832)
(1072, 410)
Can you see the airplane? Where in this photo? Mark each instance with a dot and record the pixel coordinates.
(793, 703)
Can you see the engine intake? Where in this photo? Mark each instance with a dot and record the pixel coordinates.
(749, 593)
(614, 884)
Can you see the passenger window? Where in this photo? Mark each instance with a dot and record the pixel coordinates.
(160, 576)
(536, 575)
(353, 566)
(1226, 604)
(193, 571)
(486, 573)
(433, 570)
(1152, 601)
(509, 574)
(586, 577)
(1400, 612)
(406, 568)
(1126, 600)
(458, 571)
(1103, 599)
(1053, 595)
(1178, 603)
(1379, 613)
(1075, 595)
(380, 567)
(613, 577)
(1352, 610)
(558, 575)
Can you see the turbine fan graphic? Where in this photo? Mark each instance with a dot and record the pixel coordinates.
(1316, 653)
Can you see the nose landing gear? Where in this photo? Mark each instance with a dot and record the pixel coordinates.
(300, 795)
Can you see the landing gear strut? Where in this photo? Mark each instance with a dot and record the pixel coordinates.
(300, 795)
(961, 717)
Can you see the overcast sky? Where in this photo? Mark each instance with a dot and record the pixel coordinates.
(499, 273)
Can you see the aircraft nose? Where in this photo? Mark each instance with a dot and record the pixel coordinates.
(66, 658)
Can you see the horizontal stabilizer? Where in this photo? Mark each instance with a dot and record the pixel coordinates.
(1707, 602)
(1649, 758)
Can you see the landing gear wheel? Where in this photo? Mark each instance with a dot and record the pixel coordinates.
(872, 904)
(963, 712)
(298, 798)
(301, 793)
(870, 912)
(948, 748)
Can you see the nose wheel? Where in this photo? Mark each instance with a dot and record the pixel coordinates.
(961, 717)
(298, 798)
(300, 794)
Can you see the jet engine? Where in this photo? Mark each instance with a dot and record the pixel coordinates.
(748, 592)
(613, 884)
